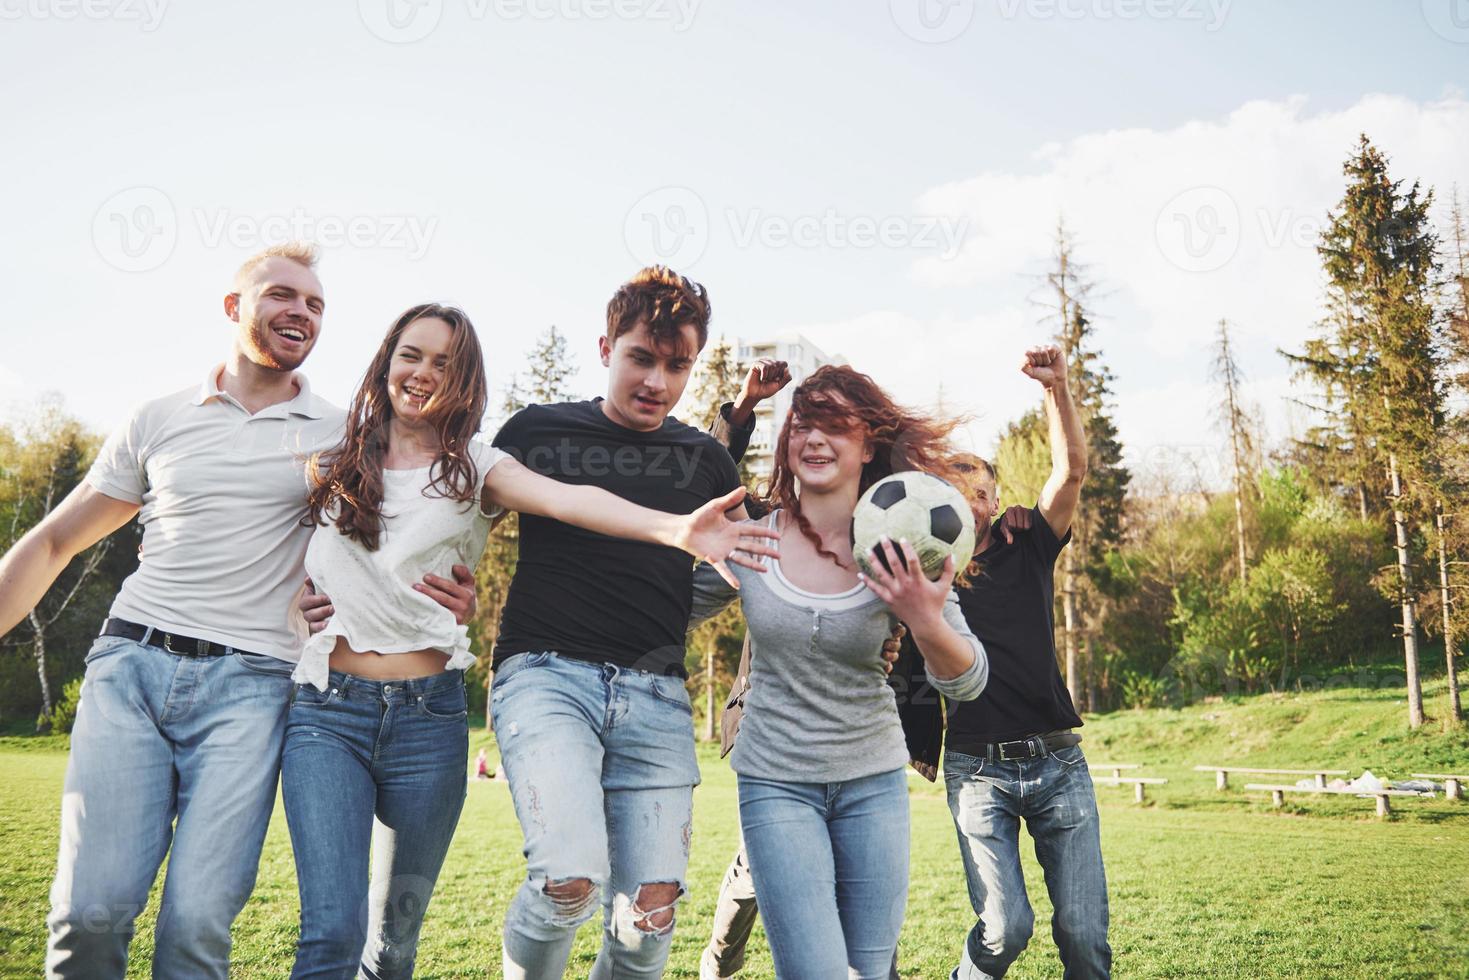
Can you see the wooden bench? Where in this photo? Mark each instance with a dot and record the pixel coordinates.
(1221, 774)
(1277, 794)
(1138, 783)
(1453, 786)
(1115, 767)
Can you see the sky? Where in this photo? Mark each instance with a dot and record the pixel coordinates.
(881, 176)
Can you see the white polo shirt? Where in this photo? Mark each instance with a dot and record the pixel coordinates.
(221, 495)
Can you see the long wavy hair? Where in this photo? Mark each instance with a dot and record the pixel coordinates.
(840, 399)
(349, 477)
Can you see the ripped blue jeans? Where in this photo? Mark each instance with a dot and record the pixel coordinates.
(601, 766)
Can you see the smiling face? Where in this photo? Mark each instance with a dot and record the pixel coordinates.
(416, 371)
(826, 456)
(646, 378)
(278, 305)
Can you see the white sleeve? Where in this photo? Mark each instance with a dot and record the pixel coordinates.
(485, 457)
(118, 469)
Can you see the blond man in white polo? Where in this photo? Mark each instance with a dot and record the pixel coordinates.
(177, 739)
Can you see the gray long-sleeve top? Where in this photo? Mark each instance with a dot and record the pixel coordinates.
(820, 709)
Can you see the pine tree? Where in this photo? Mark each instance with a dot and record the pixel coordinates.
(1097, 526)
(1236, 420)
(1377, 358)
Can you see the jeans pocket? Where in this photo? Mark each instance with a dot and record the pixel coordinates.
(671, 690)
(104, 645)
(449, 704)
(957, 765)
(261, 663)
(307, 694)
(1070, 757)
(518, 663)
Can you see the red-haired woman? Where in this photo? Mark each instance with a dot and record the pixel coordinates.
(821, 753)
(376, 743)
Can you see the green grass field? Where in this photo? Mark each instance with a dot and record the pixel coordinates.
(1202, 883)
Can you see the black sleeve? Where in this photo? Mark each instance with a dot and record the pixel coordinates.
(736, 440)
(1042, 538)
(726, 476)
(517, 434)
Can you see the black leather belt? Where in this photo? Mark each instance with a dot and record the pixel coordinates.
(1032, 747)
(175, 643)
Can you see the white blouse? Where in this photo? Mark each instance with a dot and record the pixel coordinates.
(375, 605)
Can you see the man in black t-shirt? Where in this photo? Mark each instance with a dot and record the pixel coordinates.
(1011, 754)
(592, 719)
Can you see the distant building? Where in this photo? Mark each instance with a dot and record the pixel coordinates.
(803, 357)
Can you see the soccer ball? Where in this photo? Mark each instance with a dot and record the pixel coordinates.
(932, 515)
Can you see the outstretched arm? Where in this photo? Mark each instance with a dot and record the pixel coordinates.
(1068, 439)
(85, 517)
(708, 533)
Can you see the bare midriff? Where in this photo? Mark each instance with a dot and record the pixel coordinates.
(387, 666)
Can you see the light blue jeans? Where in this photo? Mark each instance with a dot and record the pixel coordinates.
(601, 767)
(1054, 796)
(159, 738)
(830, 867)
(379, 766)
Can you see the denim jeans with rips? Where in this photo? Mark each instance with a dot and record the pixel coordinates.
(601, 766)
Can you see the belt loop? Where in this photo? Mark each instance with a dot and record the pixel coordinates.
(147, 635)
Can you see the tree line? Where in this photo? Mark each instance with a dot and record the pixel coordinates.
(1317, 556)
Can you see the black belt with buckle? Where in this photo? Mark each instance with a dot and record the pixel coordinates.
(1032, 747)
(175, 643)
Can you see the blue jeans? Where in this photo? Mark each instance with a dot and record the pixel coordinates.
(601, 766)
(167, 752)
(830, 867)
(380, 765)
(1054, 795)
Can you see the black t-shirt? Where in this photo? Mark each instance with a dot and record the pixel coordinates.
(1010, 606)
(593, 597)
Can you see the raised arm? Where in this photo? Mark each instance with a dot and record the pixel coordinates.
(707, 533)
(1068, 438)
(85, 517)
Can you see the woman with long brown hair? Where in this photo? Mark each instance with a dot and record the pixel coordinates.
(821, 753)
(376, 744)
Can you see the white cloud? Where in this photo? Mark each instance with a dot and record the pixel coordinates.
(1212, 218)
(1252, 190)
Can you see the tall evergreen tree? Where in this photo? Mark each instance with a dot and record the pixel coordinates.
(1097, 526)
(1378, 360)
